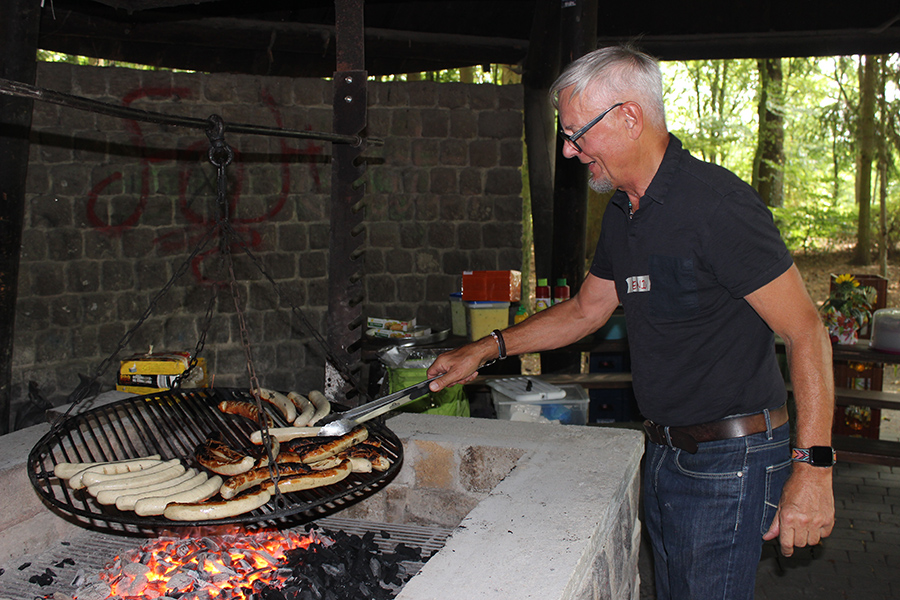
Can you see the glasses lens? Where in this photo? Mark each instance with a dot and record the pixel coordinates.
(567, 138)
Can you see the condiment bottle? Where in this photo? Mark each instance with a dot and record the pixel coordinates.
(561, 291)
(521, 315)
(542, 295)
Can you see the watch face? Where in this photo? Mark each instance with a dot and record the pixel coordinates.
(821, 456)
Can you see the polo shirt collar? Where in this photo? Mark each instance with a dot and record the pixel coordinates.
(659, 186)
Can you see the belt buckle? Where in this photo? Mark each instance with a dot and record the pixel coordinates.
(670, 437)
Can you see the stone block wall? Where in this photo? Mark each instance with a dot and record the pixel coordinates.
(116, 208)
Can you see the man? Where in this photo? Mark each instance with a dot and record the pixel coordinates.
(694, 257)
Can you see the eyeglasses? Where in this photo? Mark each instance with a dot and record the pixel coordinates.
(572, 138)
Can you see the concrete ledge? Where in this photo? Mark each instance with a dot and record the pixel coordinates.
(27, 525)
(561, 524)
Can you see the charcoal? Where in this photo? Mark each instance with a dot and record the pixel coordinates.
(44, 579)
(24, 566)
(64, 562)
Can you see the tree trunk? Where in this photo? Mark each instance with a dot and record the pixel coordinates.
(882, 170)
(866, 153)
(768, 163)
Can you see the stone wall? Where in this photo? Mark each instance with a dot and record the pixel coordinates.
(115, 208)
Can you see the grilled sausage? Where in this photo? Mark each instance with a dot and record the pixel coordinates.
(305, 409)
(237, 484)
(125, 499)
(323, 407)
(129, 501)
(120, 466)
(241, 408)
(197, 511)
(281, 402)
(166, 471)
(285, 434)
(157, 505)
(218, 457)
(314, 479)
(330, 448)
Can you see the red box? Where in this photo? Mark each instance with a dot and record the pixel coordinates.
(492, 286)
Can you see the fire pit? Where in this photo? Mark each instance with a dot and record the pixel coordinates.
(536, 511)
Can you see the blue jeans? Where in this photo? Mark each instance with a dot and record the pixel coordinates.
(706, 513)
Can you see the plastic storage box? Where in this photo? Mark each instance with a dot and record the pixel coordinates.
(540, 402)
(484, 317)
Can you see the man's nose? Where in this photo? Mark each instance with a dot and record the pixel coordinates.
(569, 150)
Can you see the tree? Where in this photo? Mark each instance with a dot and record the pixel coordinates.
(866, 153)
(768, 163)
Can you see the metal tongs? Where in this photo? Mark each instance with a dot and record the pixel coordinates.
(343, 423)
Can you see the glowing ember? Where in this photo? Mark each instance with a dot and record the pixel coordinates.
(228, 566)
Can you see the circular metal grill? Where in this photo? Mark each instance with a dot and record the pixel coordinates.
(172, 424)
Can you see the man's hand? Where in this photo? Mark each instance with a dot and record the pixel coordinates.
(461, 365)
(806, 510)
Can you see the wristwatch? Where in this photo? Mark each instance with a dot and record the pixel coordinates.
(817, 456)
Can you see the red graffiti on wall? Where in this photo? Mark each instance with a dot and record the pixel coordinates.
(198, 224)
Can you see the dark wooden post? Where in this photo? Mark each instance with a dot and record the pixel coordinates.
(19, 27)
(541, 70)
(345, 282)
(578, 35)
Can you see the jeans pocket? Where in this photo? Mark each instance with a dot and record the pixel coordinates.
(776, 476)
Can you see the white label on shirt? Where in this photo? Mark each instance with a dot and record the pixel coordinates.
(640, 283)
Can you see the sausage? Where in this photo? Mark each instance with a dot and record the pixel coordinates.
(311, 480)
(129, 501)
(120, 466)
(198, 511)
(156, 505)
(323, 407)
(305, 409)
(377, 459)
(335, 446)
(172, 470)
(241, 408)
(237, 484)
(94, 478)
(216, 456)
(125, 499)
(285, 434)
(281, 402)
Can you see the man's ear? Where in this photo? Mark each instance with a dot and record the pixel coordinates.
(634, 119)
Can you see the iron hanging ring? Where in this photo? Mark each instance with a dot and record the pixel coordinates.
(220, 153)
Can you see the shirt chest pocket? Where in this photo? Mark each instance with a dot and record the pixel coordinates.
(673, 288)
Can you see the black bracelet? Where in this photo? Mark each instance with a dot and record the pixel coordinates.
(501, 345)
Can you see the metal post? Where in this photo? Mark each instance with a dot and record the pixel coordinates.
(345, 282)
(19, 29)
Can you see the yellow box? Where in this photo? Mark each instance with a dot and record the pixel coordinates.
(150, 373)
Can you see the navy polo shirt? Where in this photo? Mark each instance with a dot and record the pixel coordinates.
(701, 241)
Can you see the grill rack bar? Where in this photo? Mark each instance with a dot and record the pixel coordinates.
(172, 424)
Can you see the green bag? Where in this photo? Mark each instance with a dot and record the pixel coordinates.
(451, 401)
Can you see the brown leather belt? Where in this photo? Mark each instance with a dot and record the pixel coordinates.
(687, 438)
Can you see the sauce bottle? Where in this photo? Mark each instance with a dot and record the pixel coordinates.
(542, 295)
(561, 291)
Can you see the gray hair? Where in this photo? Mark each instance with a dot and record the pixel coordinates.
(624, 72)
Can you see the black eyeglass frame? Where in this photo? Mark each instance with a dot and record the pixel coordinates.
(572, 139)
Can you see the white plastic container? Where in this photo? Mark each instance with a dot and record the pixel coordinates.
(542, 402)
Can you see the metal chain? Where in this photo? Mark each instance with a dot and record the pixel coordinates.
(201, 340)
(341, 366)
(221, 155)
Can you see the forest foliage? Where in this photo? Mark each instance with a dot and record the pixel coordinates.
(713, 107)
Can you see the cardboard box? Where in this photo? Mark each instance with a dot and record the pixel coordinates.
(151, 373)
(390, 324)
(492, 286)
